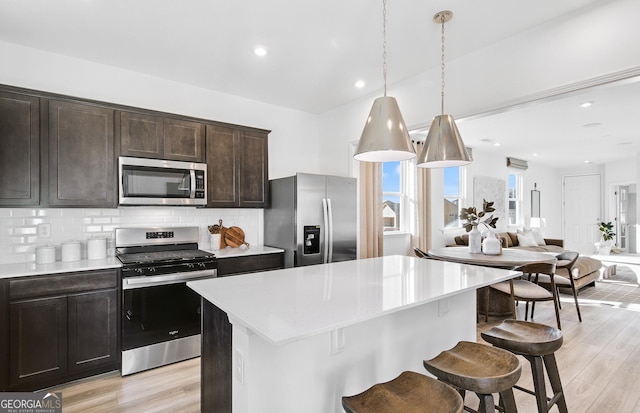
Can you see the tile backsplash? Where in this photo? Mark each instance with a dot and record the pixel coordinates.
(19, 235)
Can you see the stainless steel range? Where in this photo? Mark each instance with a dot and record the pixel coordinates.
(160, 314)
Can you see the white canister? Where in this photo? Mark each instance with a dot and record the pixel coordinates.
(71, 251)
(96, 248)
(45, 254)
(215, 242)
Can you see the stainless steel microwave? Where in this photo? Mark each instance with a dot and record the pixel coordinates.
(161, 182)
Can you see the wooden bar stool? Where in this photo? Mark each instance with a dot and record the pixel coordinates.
(410, 392)
(538, 344)
(481, 369)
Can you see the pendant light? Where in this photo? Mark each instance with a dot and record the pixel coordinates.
(385, 137)
(444, 146)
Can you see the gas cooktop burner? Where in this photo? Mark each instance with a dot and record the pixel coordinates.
(163, 256)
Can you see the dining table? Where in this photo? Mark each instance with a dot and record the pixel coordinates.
(510, 258)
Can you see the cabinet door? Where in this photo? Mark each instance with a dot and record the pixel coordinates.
(222, 167)
(19, 150)
(93, 323)
(81, 161)
(250, 263)
(141, 135)
(254, 171)
(37, 340)
(183, 140)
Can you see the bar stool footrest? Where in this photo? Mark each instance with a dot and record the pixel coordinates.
(550, 401)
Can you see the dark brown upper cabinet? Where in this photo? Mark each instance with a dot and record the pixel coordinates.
(81, 155)
(237, 167)
(141, 135)
(184, 140)
(151, 136)
(19, 150)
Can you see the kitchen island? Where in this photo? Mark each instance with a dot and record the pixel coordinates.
(299, 339)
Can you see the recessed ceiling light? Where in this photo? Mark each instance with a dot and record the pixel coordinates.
(592, 125)
(260, 51)
(496, 144)
(587, 161)
(534, 154)
(359, 84)
(586, 104)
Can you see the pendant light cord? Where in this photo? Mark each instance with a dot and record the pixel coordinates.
(384, 45)
(442, 68)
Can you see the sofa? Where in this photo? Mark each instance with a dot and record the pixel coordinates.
(585, 271)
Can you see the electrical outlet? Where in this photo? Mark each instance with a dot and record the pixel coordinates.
(239, 367)
(44, 230)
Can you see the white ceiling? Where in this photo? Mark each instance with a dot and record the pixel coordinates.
(316, 51)
(559, 130)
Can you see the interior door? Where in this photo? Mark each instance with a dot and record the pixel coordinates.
(582, 200)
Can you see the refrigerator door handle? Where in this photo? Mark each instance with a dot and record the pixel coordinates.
(330, 214)
(325, 215)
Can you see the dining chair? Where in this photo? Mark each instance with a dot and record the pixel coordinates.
(566, 260)
(522, 289)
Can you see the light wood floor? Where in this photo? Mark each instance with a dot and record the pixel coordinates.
(599, 365)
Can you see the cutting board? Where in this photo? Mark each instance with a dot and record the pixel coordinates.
(234, 237)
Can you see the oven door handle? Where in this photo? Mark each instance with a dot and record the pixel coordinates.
(130, 283)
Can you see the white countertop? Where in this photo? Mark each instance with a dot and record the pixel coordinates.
(287, 305)
(31, 268)
(238, 252)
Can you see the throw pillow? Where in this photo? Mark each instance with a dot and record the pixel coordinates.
(526, 240)
(537, 236)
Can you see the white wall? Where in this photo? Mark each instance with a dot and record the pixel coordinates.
(19, 226)
(573, 49)
(570, 50)
(488, 164)
(293, 145)
(293, 141)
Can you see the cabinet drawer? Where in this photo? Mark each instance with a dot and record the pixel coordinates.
(40, 286)
(253, 263)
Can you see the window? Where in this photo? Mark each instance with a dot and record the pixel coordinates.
(391, 195)
(452, 191)
(515, 198)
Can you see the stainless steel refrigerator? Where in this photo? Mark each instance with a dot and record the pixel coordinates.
(313, 218)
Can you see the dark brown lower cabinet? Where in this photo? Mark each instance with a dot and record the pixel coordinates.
(92, 329)
(61, 327)
(251, 263)
(38, 340)
(216, 364)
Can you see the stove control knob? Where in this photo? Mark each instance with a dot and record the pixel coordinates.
(201, 265)
(189, 265)
(138, 270)
(152, 269)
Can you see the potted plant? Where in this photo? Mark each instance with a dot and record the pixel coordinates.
(471, 218)
(606, 231)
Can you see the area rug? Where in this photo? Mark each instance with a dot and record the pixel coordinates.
(620, 289)
(624, 274)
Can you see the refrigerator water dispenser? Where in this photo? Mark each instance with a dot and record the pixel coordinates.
(311, 239)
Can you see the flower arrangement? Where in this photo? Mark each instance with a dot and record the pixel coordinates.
(606, 228)
(472, 218)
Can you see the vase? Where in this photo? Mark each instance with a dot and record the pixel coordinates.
(475, 241)
(491, 245)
